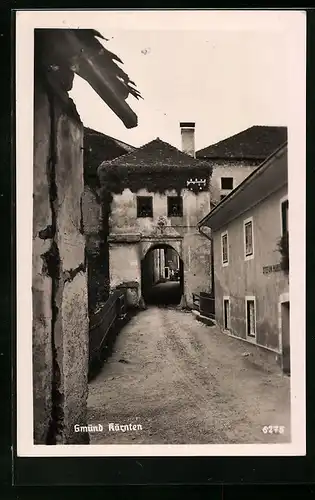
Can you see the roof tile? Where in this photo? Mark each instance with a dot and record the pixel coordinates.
(155, 155)
(257, 142)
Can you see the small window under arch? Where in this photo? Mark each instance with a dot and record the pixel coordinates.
(175, 206)
(144, 206)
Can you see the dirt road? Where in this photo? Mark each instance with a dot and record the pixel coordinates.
(185, 383)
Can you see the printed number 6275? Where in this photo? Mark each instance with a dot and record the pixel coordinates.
(273, 429)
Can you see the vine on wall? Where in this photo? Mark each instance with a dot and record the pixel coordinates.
(283, 248)
(115, 181)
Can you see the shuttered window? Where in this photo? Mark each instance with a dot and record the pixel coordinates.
(248, 239)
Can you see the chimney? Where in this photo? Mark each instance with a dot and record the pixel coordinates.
(188, 137)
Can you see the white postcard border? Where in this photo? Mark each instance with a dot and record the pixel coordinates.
(293, 25)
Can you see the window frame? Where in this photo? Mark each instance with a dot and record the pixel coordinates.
(245, 223)
(225, 263)
(226, 298)
(227, 188)
(144, 216)
(250, 298)
(168, 206)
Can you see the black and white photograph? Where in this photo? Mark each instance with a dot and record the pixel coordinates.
(160, 233)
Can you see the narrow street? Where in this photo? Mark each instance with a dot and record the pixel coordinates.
(165, 293)
(185, 383)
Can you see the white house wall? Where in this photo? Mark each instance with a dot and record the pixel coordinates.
(237, 170)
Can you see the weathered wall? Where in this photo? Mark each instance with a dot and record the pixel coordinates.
(42, 281)
(124, 263)
(195, 249)
(245, 277)
(71, 338)
(96, 254)
(239, 170)
(125, 269)
(60, 314)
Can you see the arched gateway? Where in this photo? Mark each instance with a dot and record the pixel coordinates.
(162, 275)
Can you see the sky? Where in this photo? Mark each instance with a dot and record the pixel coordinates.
(225, 80)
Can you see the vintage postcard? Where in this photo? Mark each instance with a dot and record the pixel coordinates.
(160, 161)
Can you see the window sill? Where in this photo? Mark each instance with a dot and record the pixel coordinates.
(249, 257)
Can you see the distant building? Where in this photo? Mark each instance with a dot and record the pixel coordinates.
(97, 147)
(250, 228)
(236, 157)
(157, 194)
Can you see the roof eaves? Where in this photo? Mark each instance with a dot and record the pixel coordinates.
(91, 131)
(123, 159)
(85, 55)
(231, 157)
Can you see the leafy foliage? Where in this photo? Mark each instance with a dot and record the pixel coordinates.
(155, 182)
(283, 248)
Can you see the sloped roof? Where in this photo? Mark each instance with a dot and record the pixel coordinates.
(109, 139)
(257, 142)
(63, 52)
(155, 155)
(271, 175)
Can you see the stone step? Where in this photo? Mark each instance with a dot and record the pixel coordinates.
(203, 319)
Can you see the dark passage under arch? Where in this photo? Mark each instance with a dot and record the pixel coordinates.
(162, 276)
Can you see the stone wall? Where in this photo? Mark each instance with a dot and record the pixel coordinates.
(98, 147)
(96, 248)
(42, 280)
(60, 307)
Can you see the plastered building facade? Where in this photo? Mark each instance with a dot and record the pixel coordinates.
(250, 281)
(173, 188)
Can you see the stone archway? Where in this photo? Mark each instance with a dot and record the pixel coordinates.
(151, 243)
(162, 274)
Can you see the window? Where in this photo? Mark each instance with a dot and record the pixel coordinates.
(226, 313)
(248, 239)
(225, 252)
(226, 182)
(251, 317)
(144, 206)
(285, 216)
(174, 206)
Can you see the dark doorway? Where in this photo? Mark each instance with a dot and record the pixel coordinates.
(285, 322)
(162, 276)
(226, 312)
